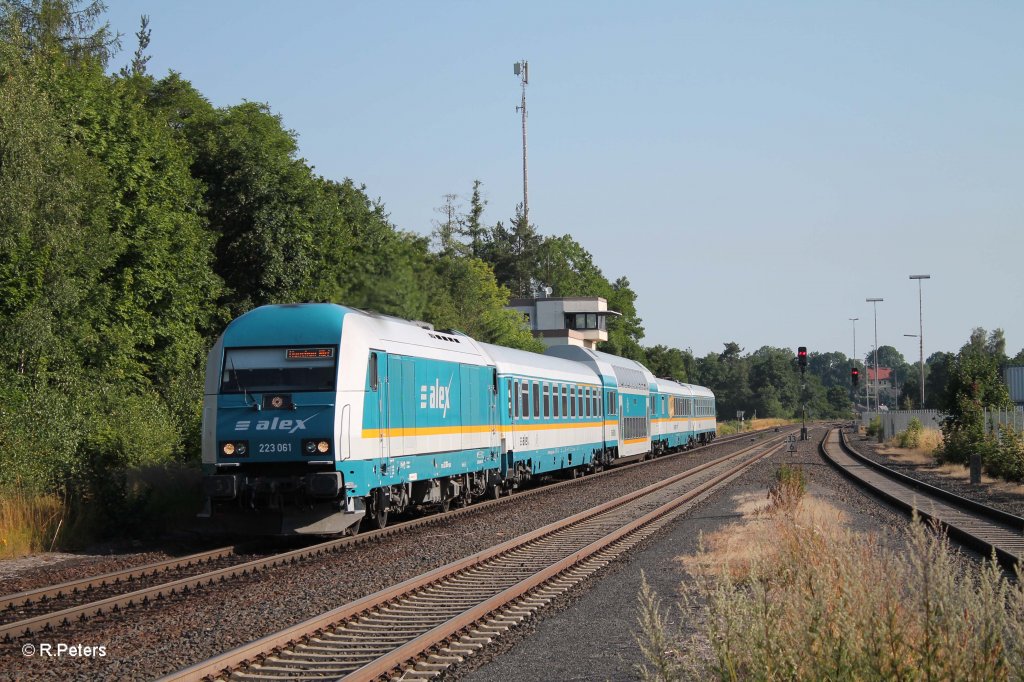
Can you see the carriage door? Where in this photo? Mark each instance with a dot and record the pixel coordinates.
(394, 446)
(492, 413)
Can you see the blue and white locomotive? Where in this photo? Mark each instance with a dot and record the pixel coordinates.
(318, 418)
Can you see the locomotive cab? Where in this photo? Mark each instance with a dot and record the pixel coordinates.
(270, 426)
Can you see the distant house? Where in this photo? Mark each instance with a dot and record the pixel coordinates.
(576, 321)
(884, 377)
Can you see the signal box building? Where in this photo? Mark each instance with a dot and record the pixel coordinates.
(574, 321)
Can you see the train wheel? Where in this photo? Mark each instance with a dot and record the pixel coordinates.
(376, 518)
(493, 491)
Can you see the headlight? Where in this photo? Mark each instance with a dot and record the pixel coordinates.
(234, 448)
(316, 446)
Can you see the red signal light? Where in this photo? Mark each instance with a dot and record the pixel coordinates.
(801, 354)
(855, 376)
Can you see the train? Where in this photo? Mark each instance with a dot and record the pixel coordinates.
(319, 419)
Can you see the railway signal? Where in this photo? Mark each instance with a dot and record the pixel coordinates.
(801, 354)
(855, 376)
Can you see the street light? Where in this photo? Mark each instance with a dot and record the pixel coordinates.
(854, 320)
(912, 336)
(920, 318)
(874, 302)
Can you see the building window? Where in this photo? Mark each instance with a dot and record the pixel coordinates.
(584, 321)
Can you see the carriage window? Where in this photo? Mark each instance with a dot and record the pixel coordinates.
(565, 401)
(524, 399)
(547, 401)
(572, 400)
(579, 398)
(554, 401)
(536, 399)
(374, 376)
(587, 401)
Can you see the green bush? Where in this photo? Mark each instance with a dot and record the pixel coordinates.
(911, 438)
(1004, 457)
(874, 429)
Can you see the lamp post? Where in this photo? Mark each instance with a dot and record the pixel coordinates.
(913, 336)
(874, 302)
(854, 321)
(920, 320)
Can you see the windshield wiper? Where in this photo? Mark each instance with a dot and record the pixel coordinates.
(238, 383)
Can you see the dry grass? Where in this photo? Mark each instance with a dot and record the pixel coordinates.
(738, 546)
(930, 441)
(795, 595)
(923, 455)
(28, 523)
(756, 424)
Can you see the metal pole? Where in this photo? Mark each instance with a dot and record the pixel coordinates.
(874, 302)
(920, 318)
(523, 71)
(854, 321)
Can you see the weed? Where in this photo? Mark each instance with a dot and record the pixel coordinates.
(789, 488)
(29, 523)
(821, 603)
(911, 438)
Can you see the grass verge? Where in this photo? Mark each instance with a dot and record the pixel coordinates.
(791, 593)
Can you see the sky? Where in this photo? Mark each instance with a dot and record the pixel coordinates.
(756, 170)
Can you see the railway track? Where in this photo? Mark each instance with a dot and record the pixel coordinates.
(46, 609)
(983, 528)
(422, 626)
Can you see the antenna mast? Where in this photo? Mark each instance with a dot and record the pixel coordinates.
(522, 69)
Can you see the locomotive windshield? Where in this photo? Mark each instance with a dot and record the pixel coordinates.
(278, 370)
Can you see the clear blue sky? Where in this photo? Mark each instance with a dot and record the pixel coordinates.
(755, 169)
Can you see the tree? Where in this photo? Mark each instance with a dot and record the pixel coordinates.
(937, 368)
(569, 269)
(625, 330)
(474, 303)
(670, 363)
(263, 204)
(774, 379)
(446, 229)
(833, 369)
(974, 385)
(64, 29)
(513, 253)
(472, 227)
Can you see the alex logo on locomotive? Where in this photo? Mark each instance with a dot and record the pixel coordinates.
(436, 397)
(275, 424)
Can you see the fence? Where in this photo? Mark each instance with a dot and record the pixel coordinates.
(996, 420)
(895, 421)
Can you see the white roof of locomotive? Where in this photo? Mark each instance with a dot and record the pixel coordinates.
(673, 387)
(525, 363)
